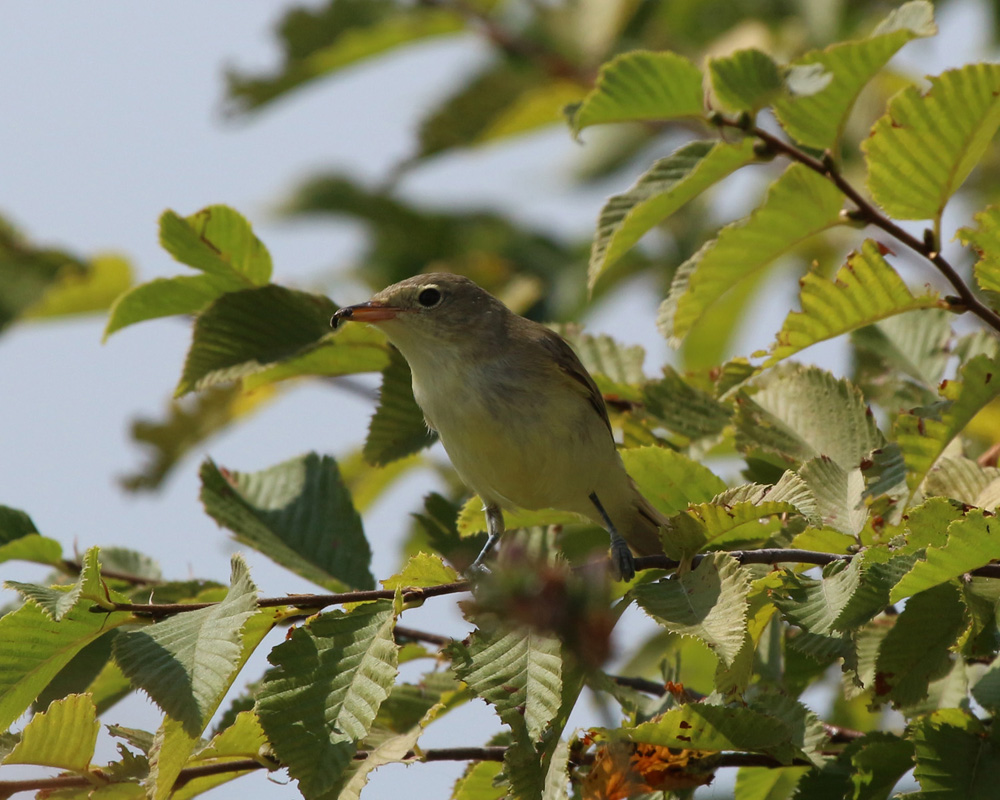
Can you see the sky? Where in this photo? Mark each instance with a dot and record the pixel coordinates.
(111, 113)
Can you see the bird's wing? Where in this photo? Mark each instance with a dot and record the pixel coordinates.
(569, 364)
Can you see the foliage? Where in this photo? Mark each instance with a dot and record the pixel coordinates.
(883, 482)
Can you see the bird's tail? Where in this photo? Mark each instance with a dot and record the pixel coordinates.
(642, 532)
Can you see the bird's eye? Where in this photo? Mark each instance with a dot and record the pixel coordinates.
(429, 297)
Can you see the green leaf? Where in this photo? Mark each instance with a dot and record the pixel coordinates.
(865, 290)
(699, 726)
(817, 120)
(330, 678)
(767, 784)
(663, 188)
(37, 647)
(817, 605)
(186, 662)
(986, 241)
(799, 205)
(421, 570)
(187, 424)
(397, 428)
(75, 292)
(63, 736)
(956, 756)
(20, 540)
(27, 272)
(924, 433)
(299, 514)
(866, 769)
(924, 148)
(167, 297)
(241, 740)
(478, 782)
(518, 671)
(901, 360)
(683, 408)
(746, 80)
(174, 741)
(709, 603)
(218, 241)
(395, 749)
(801, 413)
(505, 99)
(245, 332)
(971, 544)
(915, 651)
(641, 86)
(320, 42)
(670, 480)
(986, 690)
(839, 494)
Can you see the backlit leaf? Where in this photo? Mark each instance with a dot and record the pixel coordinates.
(817, 120)
(660, 191)
(798, 205)
(973, 541)
(865, 290)
(924, 433)
(926, 145)
(63, 736)
(640, 86)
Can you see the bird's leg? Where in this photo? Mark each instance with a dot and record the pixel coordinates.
(621, 556)
(494, 527)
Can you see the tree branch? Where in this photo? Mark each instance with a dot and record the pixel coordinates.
(928, 247)
(309, 603)
(9, 788)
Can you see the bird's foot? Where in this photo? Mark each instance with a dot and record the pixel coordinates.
(622, 561)
(475, 572)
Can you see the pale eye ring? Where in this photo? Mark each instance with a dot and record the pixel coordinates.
(429, 297)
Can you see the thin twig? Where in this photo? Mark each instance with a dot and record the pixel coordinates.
(867, 212)
(313, 602)
(74, 567)
(9, 788)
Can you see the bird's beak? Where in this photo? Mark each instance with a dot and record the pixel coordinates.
(364, 312)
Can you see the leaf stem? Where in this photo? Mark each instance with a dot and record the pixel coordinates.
(867, 212)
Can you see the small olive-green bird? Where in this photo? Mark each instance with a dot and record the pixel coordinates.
(520, 417)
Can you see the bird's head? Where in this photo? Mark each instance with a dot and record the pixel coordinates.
(436, 307)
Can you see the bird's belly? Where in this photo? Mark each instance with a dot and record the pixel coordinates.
(543, 454)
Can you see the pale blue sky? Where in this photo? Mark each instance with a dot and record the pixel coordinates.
(111, 113)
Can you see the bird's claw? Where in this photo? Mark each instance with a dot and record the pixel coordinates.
(622, 561)
(475, 571)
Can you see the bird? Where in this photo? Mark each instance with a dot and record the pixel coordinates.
(520, 418)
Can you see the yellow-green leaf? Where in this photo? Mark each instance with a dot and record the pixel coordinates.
(817, 120)
(924, 148)
(798, 205)
(63, 736)
(866, 289)
(660, 191)
(640, 86)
